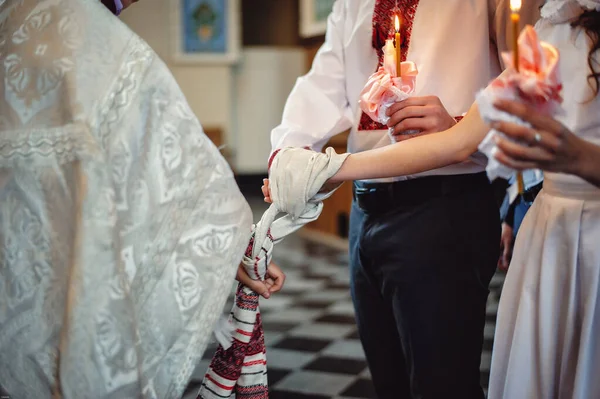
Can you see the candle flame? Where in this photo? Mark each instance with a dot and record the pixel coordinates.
(515, 5)
(397, 23)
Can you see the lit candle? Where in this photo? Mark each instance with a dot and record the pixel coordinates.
(515, 8)
(398, 47)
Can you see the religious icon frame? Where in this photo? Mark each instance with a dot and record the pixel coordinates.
(313, 17)
(187, 47)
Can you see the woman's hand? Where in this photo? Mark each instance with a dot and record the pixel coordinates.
(549, 145)
(273, 283)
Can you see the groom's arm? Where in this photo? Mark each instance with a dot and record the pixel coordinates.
(317, 108)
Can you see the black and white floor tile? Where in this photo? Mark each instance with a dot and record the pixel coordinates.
(313, 349)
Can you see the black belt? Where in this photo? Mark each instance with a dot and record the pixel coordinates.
(384, 197)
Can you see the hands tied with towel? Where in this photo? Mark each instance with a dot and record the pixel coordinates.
(297, 177)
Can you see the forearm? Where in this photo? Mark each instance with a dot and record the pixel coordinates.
(419, 154)
(588, 167)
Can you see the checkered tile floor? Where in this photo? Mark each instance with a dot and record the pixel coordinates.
(313, 349)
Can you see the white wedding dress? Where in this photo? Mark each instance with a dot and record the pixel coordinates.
(547, 341)
(121, 225)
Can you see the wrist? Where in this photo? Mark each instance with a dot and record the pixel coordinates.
(344, 173)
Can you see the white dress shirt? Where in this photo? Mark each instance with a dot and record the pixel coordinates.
(455, 45)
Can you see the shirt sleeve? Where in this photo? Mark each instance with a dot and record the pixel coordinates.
(318, 108)
(500, 22)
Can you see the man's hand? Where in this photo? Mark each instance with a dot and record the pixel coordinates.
(273, 283)
(275, 278)
(266, 192)
(424, 114)
(506, 247)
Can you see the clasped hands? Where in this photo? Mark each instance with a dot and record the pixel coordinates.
(273, 282)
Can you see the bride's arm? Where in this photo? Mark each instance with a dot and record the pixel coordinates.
(419, 154)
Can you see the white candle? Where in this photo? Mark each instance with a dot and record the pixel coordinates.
(389, 57)
(398, 47)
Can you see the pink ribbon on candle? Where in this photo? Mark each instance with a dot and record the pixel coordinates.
(538, 79)
(383, 89)
(537, 83)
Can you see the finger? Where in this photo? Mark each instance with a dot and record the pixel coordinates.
(528, 135)
(419, 124)
(277, 282)
(277, 285)
(522, 153)
(513, 164)
(269, 282)
(410, 112)
(531, 115)
(267, 196)
(420, 101)
(395, 107)
(517, 132)
(257, 286)
(277, 276)
(413, 102)
(266, 191)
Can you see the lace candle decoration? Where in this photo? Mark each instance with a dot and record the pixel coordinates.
(537, 83)
(394, 81)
